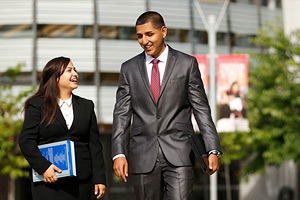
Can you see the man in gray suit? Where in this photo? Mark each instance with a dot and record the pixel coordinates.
(158, 91)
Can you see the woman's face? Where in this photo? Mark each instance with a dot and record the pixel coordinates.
(235, 89)
(68, 80)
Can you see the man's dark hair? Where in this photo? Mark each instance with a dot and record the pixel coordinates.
(151, 16)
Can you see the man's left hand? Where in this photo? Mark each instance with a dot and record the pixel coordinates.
(213, 164)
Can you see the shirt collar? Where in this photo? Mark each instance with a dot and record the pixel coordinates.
(68, 102)
(162, 58)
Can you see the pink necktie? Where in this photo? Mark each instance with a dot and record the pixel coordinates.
(155, 80)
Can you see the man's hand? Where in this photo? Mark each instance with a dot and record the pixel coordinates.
(213, 164)
(49, 175)
(99, 190)
(121, 168)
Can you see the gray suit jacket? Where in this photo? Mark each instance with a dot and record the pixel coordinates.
(166, 123)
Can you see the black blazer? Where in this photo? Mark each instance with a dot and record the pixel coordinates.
(84, 132)
(166, 123)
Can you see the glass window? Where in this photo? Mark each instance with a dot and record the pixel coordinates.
(200, 37)
(222, 39)
(60, 31)
(106, 78)
(241, 40)
(108, 32)
(88, 31)
(110, 79)
(16, 31)
(127, 33)
(178, 35)
(24, 78)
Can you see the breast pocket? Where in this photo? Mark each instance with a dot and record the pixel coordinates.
(178, 79)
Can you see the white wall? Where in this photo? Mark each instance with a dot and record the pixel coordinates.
(291, 15)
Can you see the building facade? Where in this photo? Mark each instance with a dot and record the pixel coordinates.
(98, 35)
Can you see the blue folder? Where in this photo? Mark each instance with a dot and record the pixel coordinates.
(62, 155)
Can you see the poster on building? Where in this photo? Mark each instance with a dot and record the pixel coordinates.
(232, 89)
(203, 67)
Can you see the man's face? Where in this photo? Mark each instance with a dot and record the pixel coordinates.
(151, 39)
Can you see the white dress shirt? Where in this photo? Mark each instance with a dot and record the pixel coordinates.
(67, 110)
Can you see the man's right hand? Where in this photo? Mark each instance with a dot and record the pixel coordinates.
(121, 168)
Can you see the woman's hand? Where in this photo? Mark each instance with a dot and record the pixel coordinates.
(49, 175)
(99, 190)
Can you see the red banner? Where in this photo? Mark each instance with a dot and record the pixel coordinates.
(232, 84)
(203, 67)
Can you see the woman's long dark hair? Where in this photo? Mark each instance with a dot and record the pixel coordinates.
(48, 90)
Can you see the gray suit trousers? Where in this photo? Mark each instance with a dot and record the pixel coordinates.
(165, 181)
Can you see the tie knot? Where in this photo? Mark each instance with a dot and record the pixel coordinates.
(155, 61)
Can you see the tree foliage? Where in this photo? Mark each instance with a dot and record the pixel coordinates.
(274, 104)
(274, 97)
(12, 161)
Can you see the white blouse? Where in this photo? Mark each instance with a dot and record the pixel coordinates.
(67, 110)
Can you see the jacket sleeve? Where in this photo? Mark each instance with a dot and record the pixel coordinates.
(121, 116)
(201, 109)
(96, 149)
(29, 137)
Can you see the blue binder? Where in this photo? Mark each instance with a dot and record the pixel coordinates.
(62, 155)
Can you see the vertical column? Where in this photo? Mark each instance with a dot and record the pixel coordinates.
(147, 5)
(34, 43)
(97, 66)
(229, 32)
(212, 90)
(192, 26)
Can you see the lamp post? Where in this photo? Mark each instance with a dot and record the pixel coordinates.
(34, 43)
(211, 26)
(97, 65)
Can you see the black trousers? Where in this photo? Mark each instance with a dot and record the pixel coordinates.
(165, 181)
(64, 189)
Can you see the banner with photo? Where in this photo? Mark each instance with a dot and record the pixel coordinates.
(203, 67)
(232, 84)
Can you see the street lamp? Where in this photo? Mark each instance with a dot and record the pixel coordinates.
(211, 26)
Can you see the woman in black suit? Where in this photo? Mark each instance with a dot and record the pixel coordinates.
(54, 114)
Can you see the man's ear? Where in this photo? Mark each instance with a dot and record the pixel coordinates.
(164, 31)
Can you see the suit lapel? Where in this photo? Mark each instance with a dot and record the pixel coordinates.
(144, 75)
(169, 68)
(61, 119)
(76, 111)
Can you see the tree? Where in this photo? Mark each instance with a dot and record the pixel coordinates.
(274, 98)
(12, 162)
(274, 104)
